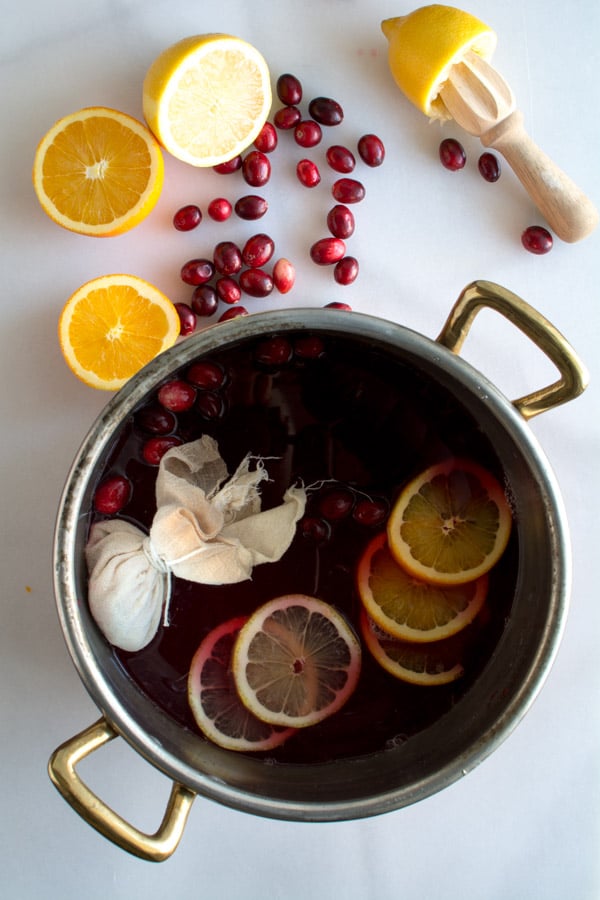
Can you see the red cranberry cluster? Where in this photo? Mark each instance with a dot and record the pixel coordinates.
(333, 504)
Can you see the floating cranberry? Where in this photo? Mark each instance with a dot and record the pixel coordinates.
(340, 221)
(537, 239)
(256, 168)
(284, 275)
(187, 218)
(233, 313)
(289, 89)
(309, 346)
(204, 300)
(197, 271)
(267, 139)
(348, 190)
(187, 319)
(275, 351)
(251, 207)
(228, 290)
(232, 165)
(308, 173)
(256, 282)
(287, 118)
(227, 258)
(155, 448)
(219, 209)
(314, 529)
(258, 250)
(452, 154)
(156, 420)
(370, 512)
(177, 395)
(371, 150)
(207, 375)
(337, 304)
(307, 133)
(112, 494)
(346, 270)
(336, 504)
(340, 158)
(326, 111)
(327, 251)
(210, 405)
(489, 167)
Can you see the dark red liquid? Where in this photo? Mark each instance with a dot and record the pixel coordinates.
(350, 418)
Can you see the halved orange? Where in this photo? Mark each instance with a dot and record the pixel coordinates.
(296, 661)
(215, 704)
(450, 524)
(98, 172)
(112, 326)
(409, 608)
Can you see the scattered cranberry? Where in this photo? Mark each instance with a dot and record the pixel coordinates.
(219, 209)
(346, 270)
(537, 240)
(348, 190)
(336, 304)
(227, 258)
(315, 529)
(251, 207)
(204, 300)
(370, 512)
(228, 290)
(156, 420)
(327, 251)
(207, 375)
(489, 167)
(258, 250)
(187, 218)
(326, 111)
(452, 154)
(284, 275)
(289, 89)
(287, 118)
(336, 504)
(233, 313)
(256, 282)
(308, 173)
(232, 165)
(197, 271)
(340, 221)
(307, 133)
(371, 150)
(267, 139)
(155, 448)
(275, 351)
(187, 319)
(177, 395)
(210, 405)
(340, 158)
(112, 495)
(256, 168)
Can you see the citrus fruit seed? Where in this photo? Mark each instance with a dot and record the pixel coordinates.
(98, 172)
(411, 609)
(215, 705)
(296, 661)
(112, 326)
(450, 524)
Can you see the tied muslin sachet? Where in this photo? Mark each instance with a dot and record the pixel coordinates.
(208, 528)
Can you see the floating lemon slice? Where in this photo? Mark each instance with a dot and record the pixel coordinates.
(98, 172)
(425, 44)
(207, 97)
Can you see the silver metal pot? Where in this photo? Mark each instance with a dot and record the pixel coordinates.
(433, 758)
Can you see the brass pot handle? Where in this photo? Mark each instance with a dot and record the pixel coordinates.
(481, 294)
(154, 847)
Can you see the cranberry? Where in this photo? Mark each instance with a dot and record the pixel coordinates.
(336, 504)
(155, 448)
(489, 167)
(156, 420)
(207, 375)
(112, 495)
(177, 395)
(187, 218)
(256, 168)
(537, 240)
(219, 209)
(233, 313)
(267, 139)
(309, 346)
(327, 251)
(346, 270)
(197, 271)
(336, 304)
(251, 207)
(308, 173)
(204, 300)
(452, 154)
(370, 512)
(326, 111)
(256, 282)
(275, 351)
(232, 165)
(287, 118)
(340, 158)
(371, 150)
(187, 319)
(284, 275)
(308, 133)
(348, 190)
(314, 529)
(228, 290)
(258, 250)
(227, 258)
(340, 221)
(210, 405)
(289, 89)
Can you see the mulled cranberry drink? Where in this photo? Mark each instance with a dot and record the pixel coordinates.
(352, 424)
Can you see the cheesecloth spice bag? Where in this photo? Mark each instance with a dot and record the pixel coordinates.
(208, 528)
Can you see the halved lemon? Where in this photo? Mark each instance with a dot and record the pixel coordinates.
(450, 524)
(207, 97)
(112, 326)
(296, 661)
(98, 172)
(411, 609)
(213, 699)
